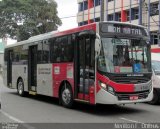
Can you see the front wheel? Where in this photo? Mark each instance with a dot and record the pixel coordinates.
(67, 96)
(155, 98)
(20, 87)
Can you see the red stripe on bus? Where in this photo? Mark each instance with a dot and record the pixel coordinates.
(118, 87)
(62, 72)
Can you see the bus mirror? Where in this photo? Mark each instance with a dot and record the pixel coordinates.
(97, 46)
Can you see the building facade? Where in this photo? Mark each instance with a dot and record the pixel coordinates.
(143, 12)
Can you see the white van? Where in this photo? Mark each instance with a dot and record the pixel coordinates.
(156, 77)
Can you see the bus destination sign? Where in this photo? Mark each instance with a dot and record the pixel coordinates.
(123, 29)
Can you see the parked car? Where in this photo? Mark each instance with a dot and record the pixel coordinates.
(155, 78)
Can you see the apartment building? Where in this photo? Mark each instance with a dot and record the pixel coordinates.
(143, 12)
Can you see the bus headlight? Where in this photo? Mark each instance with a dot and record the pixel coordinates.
(110, 90)
(107, 87)
(103, 85)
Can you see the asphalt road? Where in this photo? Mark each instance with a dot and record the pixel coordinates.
(42, 109)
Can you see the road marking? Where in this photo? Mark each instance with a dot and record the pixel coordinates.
(17, 120)
(11, 117)
(122, 118)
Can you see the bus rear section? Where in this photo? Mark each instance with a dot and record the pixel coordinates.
(97, 63)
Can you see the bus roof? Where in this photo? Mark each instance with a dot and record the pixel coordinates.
(52, 34)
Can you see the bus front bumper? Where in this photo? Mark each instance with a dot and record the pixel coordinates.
(104, 97)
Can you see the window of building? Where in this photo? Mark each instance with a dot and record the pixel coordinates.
(80, 7)
(154, 9)
(118, 17)
(80, 24)
(135, 13)
(154, 38)
(110, 17)
(97, 2)
(85, 22)
(128, 15)
(85, 5)
(97, 19)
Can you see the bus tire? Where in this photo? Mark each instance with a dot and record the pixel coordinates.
(155, 98)
(20, 87)
(66, 96)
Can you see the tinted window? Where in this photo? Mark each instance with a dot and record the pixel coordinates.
(43, 52)
(5, 55)
(20, 55)
(16, 54)
(40, 52)
(46, 52)
(62, 49)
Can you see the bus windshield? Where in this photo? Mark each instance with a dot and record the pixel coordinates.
(124, 56)
(156, 67)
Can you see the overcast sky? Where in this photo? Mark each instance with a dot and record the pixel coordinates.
(67, 8)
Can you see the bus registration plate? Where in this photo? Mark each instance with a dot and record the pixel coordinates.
(133, 97)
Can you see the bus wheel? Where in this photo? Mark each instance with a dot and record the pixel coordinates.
(155, 98)
(66, 96)
(20, 87)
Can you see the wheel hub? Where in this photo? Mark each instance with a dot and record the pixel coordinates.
(66, 96)
(20, 87)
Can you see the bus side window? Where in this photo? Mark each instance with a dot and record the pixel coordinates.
(62, 49)
(40, 52)
(46, 52)
(52, 53)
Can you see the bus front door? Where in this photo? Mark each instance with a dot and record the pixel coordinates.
(86, 67)
(9, 68)
(32, 76)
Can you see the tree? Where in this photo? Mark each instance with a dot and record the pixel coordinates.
(22, 19)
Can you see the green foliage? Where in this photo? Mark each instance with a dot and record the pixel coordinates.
(24, 18)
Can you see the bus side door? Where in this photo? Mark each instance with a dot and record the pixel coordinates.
(86, 67)
(32, 76)
(9, 67)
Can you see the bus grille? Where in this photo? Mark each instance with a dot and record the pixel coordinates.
(126, 80)
(126, 96)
